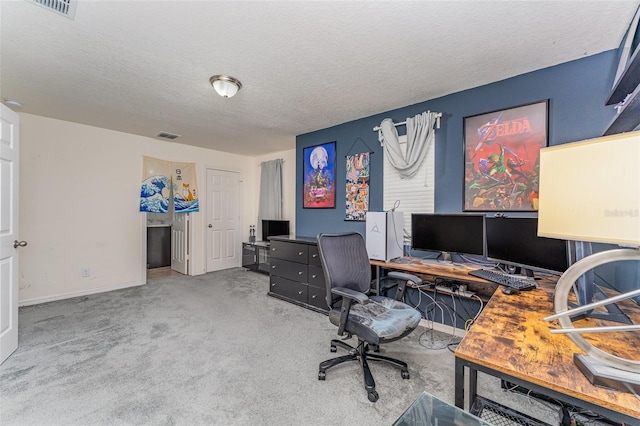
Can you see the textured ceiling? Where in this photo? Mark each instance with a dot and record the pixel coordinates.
(143, 66)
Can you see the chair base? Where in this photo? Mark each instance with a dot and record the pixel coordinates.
(362, 353)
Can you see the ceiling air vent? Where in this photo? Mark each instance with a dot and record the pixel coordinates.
(63, 7)
(166, 135)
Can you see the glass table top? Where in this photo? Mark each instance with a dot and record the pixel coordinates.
(427, 410)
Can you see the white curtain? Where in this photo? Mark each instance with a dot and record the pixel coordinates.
(420, 136)
(270, 205)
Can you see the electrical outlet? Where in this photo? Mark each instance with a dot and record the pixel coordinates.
(86, 272)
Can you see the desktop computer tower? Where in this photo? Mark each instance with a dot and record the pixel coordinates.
(384, 235)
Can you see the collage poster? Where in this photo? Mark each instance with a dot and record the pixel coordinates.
(357, 190)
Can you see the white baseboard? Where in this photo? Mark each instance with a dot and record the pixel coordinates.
(444, 328)
(38, 300)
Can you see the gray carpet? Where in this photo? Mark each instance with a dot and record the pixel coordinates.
(212, 349)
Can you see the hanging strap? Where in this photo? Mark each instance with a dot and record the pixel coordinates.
(354, 143)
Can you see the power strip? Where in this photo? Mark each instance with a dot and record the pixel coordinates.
(449, 290)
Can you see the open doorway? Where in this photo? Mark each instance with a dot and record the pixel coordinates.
(167, 237)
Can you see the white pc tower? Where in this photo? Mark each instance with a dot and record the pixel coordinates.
(384, 235)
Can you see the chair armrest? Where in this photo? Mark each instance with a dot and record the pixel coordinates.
(403, 277)
(350, 294)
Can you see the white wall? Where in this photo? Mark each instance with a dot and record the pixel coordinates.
(288, 184)
(79, 205)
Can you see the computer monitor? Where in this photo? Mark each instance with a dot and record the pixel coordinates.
(271, 228)
(514, 241)
(448, 233)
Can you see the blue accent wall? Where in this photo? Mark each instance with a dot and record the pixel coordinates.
(576, 90)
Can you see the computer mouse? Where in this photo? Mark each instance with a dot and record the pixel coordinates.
(510, 290)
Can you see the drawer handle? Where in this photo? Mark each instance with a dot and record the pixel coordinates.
(300, 253)
(300, 273)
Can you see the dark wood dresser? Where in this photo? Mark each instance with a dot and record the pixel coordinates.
(296, 273)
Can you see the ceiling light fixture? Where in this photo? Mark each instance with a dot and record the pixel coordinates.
(13, 103)
(225, 85)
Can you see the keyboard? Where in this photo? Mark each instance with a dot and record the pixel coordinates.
(503, 279)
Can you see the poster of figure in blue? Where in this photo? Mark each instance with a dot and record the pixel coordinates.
(357, 193)
(161, 179)
(319, 166)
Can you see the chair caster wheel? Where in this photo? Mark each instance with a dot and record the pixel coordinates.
(333, 348)
(373, 396)
(322, 375)
(405, 374)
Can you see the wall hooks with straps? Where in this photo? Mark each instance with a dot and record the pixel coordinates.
(354, 144)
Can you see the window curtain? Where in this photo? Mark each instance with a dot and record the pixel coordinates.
(420, 136)
(159, 178)
(270, 205)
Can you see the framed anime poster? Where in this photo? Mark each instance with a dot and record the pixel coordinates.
(319, 183)
(501, 158)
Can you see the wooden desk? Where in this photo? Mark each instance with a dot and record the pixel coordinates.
(456, 271)
(511, 340)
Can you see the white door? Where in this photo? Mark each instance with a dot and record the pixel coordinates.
(180, 242)
(9, 244)
(223, 220)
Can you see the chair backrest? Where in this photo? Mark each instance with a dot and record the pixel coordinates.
(345, 263)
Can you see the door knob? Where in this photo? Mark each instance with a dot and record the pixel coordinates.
(210, 226)
(17, 244)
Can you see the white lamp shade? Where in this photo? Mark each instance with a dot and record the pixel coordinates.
(225, 86)
(590, 190)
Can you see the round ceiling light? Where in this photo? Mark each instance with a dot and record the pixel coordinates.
(13, 103)
(225, 85)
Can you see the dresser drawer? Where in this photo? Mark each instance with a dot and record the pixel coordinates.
(289, 289)
(294, 252)
(316, 277)
(317, 297)
(290, 270)
(314, 256)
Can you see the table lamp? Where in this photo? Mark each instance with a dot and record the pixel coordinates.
(590, 191)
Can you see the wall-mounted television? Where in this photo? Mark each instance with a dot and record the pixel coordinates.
(272, 228)
(626, 87)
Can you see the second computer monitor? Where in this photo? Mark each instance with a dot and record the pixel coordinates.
(515, 241)
(448, 233)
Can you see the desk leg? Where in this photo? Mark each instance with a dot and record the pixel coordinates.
(460, 388)
(473, 386)
(377, 285)
(459, 384)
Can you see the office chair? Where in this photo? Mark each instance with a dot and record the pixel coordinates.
(374, 320)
